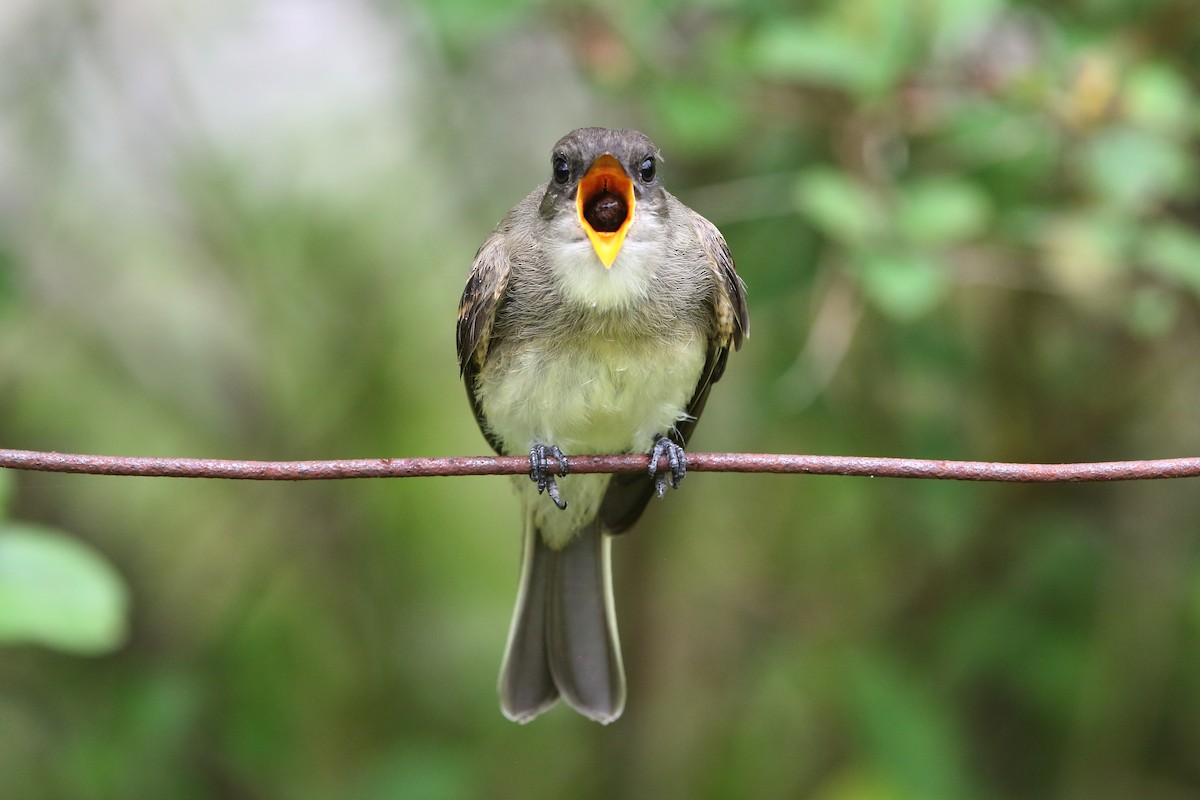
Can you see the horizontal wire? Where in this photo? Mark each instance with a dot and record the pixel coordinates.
(778, 464)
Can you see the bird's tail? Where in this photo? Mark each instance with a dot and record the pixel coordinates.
(563, 640)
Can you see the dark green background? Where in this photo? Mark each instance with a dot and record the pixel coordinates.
(968, 229)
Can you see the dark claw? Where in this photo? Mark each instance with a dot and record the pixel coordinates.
(539, 470)
(676, 459)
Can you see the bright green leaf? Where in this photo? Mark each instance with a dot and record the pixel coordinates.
(832, 53)
(838, 206)
(1173, 251)
(941, 211)
(1018, 144)
(902, 285)
(955, 21)
(1158, 97)
(1132, 168)
(800, 50)
(58, 592)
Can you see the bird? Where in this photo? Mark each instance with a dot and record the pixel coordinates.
(596, 317)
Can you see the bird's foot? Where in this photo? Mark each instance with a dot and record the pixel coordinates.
(676, 459)
(539, 470)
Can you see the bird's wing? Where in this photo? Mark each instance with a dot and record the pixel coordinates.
(476, 315)
(731, 314)
(628, 494)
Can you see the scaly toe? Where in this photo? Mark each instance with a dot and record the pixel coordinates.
(539, 470)
(676, 461)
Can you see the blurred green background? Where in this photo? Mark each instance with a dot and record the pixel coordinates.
(240, 230)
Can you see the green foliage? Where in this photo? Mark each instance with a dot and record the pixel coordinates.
(829, 50)
(700, 116)
(1134, 169)
(56, 591)
(839, 207)
(1173, 251)
(941, 211)
(902, 285)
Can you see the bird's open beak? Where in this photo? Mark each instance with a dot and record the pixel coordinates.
(604, 204)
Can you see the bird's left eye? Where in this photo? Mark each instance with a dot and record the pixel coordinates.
(561, 170)
(646, 170)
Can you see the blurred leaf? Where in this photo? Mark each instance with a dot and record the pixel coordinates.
(799, 50)
(466, 21)
(831, 51)
(1015, 143)
(955, 20)
(1158, 97)
(699, 117)
(838, 206)
(1173, 251)
(1132, 168)
(941, 211)
(58, 592)
(902, 285)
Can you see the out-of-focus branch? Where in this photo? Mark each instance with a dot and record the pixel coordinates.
(580, 464)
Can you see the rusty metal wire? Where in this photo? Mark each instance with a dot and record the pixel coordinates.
(580, 464)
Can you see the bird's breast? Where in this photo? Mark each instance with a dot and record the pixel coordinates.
(589, 393)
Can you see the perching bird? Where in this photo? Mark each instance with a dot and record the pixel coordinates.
(596, 318)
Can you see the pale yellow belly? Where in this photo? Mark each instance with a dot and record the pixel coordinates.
(593, 397)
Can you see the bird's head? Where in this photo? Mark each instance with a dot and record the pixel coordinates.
(605, 178)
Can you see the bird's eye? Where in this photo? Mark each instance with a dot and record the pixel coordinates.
(561, 169)
(646, 170)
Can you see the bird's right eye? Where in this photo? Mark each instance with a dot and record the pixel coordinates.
(561, 169)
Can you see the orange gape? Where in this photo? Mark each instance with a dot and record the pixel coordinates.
(604, 203)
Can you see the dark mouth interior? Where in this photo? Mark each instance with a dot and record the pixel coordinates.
(605, 212)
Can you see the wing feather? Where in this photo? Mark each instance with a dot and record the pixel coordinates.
(477, 314)
(730, 313)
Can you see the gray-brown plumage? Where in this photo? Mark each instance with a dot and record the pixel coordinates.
(596, 318)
